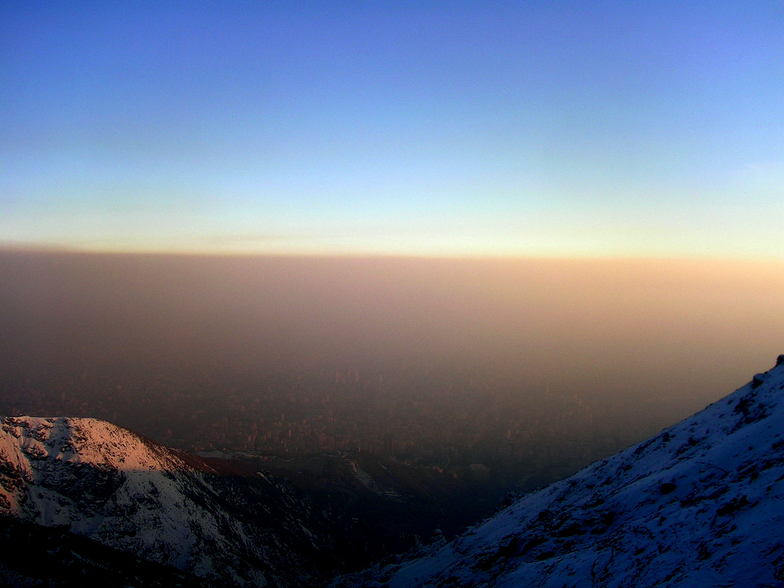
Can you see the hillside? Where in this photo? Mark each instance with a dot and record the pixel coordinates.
(92, 479)
(700, 504)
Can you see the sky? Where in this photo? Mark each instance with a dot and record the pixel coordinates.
(540, 129)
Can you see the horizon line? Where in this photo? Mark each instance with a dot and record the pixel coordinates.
(61, 249)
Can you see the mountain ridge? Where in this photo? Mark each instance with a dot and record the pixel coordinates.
(100, 481)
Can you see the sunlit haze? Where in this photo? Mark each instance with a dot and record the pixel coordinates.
(659, 339)
(567, 129)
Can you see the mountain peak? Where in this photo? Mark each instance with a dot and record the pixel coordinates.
(93, 479)
(82, 441)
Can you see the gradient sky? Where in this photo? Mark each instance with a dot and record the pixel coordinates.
(566, 129)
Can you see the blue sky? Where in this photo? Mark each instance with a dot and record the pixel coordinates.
(561, 129)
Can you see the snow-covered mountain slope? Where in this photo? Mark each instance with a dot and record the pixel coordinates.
(700, 504)
(106, 483)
